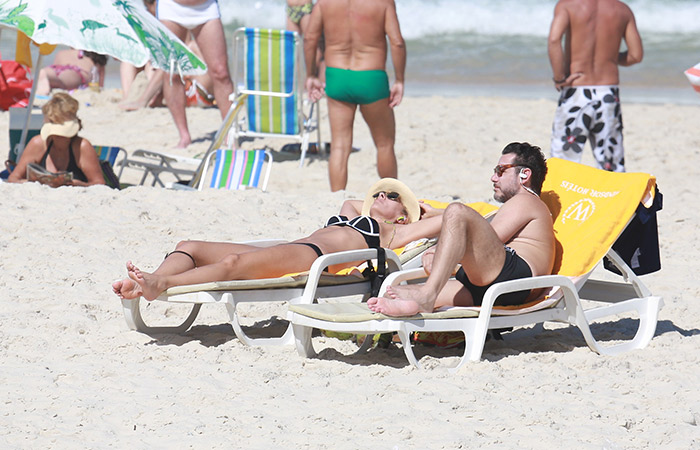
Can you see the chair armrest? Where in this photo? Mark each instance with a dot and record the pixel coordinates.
(324, 261)
(166, 158)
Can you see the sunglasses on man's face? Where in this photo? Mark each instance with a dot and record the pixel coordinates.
(390, 195)
(501, 168)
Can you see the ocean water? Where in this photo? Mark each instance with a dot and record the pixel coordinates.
(498, 47)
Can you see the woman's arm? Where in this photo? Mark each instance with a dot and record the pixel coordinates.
(89, 163)
(424, 228)
(32, 154)
(351, 208)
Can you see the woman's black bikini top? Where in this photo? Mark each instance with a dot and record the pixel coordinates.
(365, 225)
(72, 164)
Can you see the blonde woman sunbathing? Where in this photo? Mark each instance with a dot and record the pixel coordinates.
(388, 217)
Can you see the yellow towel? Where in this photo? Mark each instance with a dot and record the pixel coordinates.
(590, 208)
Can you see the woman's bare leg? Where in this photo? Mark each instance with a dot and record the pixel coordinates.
(203, 252)
(258, 263)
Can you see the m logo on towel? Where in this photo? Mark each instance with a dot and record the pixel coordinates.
(579, 211)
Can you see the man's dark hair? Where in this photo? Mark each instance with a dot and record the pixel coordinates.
(529, 156)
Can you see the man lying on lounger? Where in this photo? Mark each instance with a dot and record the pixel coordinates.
(517, 242)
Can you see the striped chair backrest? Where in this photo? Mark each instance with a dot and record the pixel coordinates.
(239, 169)
(270, 59)
(106, 153)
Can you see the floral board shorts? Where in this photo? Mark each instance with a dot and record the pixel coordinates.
(589, 112)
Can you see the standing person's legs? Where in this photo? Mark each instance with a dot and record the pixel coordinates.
(465, 238)
(380, 119)
(127, 73)
(211, 41)
(174, 93)
(569, 133)
(341, 116)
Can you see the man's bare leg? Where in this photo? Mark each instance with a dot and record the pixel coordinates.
(341, 116)
(211, 41)
(380, 119)
(465, 238)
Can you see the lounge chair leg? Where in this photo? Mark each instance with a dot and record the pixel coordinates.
(132, 314)
(286, 339)
(302, 339)
(405, 337)
(647, 309)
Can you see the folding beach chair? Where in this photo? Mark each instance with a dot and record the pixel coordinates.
(268, 79)
(591, 208)
(237, 169)
(108, 158)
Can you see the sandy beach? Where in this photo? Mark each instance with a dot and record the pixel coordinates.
(74, 376)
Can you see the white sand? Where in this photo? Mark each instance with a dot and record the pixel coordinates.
(74, 376)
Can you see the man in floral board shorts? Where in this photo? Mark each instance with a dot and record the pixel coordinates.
(585, 71)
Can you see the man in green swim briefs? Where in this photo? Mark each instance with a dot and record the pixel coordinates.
(356, 35)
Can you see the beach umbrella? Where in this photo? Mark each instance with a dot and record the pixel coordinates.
(123, 29)
(693, 75)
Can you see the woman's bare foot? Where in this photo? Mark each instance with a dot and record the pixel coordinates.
(127, 289)
(151, 285)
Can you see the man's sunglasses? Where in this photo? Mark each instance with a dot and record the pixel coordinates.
(390, 195)
(501, 168)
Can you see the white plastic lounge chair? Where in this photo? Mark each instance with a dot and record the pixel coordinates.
(591, 208)
(302, 288)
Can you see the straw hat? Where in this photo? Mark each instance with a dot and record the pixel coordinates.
(68, 128)
(406, 197)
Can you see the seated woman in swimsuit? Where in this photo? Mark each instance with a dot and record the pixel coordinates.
(388, 217)
(71, 69)
(58, 148)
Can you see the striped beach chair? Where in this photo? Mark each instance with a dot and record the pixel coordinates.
(237, 169)
(268, 86)
(110, 154)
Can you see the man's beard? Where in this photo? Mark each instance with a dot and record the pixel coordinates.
(504, 195)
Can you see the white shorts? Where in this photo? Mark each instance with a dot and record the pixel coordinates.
(189, 17)
(589, 113)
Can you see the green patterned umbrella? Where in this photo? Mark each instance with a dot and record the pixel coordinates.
(120, 28)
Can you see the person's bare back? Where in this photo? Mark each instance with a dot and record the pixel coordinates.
(593, 30)
(355, 33)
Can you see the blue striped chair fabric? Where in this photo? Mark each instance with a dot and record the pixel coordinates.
(270, 58)
(239, 169)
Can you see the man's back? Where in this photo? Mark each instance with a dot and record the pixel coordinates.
(594, 34)
(355, 32)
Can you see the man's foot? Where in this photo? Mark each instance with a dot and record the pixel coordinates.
(127, 289)
(400, 301)
(150, 284)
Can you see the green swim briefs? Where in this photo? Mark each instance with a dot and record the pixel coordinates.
(360, 87)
